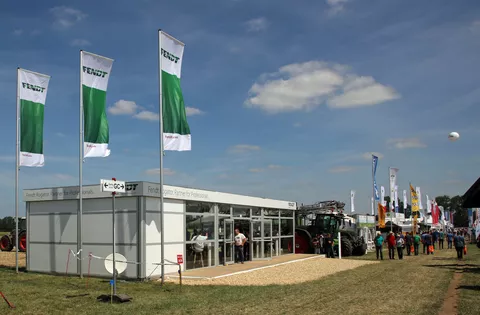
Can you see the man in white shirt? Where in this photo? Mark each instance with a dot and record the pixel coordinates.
(240, 240)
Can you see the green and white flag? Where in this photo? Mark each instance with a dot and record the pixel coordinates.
(32, 93)
(94, 79)
(176, 132)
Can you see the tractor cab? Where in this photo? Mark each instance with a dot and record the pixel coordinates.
(8, 241)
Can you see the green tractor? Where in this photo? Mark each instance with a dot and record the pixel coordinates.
(326, 217)
(8, 241)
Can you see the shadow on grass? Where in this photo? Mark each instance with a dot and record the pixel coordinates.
(22, 269)
(465, 268)
(470, 287)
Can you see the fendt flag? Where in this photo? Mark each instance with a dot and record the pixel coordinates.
(95, 72)
(176, 131)
(32, 93)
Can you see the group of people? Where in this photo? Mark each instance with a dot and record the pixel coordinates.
(411, 243)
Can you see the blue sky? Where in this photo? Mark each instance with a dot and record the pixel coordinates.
(285, 99)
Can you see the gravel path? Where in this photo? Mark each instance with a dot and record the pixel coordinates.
(292, 273)
(7, 259)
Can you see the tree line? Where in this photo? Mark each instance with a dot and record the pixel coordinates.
(7, 224)
(460, 217)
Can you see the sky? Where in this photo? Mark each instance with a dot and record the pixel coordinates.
(285, 100)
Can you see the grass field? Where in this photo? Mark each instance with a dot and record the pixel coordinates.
(416, 285)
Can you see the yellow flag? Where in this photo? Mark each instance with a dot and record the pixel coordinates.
(414, 197)
(381, 216)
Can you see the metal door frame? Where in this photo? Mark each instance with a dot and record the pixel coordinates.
(228, 241)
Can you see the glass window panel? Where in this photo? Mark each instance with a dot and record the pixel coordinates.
(287, 246)
(199, 207)
(257, 232)
(270, 212)
(275, 227)
(286, 227)
(223, 209)
(267, 228)
(256, 212)
(241, 212)
(286, 213)
(199, 225)
(200, 254)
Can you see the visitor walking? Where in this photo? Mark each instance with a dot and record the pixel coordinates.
(435, 236)
(459, 242)
(424, 235)
(408, 243)
(379, 245)
(240, 241)
(416, 243)
(400, 244)
(391, 245)
(449, 239)
(428, 243)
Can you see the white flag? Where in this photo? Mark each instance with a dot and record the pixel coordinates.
(352, 200)
(393, 183)
(428, 205)
(382, 196)
(405, 201)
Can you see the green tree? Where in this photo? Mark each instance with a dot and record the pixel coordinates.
(460, 218)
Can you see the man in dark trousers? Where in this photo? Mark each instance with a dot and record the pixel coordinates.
(408, 242)
(459, 242)
(379, 245)
(391, 241)
(441, 237)
(435, 237)
(329, 246)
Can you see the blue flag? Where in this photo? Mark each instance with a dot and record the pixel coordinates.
(374, 173)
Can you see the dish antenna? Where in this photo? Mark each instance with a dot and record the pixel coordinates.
(120, 263)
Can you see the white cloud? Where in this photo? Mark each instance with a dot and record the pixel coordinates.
(341, 169)
(242, 148)
(65, 17)
(336, 6)
(275, 167)
(60, 134)
(256, 170)
(192, 111)
(156, 171)
(304, 86)
(257, 25)
(368, 155)
(80, 43)
(475, 26)
(123, 107)
(63, 177)
(18, 32)
(406, 143)
(147, 115)
(297, 125)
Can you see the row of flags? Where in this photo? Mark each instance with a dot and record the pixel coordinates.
(95, 71)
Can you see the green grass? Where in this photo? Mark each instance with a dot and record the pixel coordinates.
(389, 287)
(469, 289)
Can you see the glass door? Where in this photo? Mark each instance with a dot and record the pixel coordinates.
(256, 236)
(267, 239)
(228, 249)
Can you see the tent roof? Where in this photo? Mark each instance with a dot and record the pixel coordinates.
(471, 199)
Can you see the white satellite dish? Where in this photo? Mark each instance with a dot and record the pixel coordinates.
(453, 136)
(120, 263)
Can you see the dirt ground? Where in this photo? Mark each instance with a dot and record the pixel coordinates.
(297, 272)
(7, 259)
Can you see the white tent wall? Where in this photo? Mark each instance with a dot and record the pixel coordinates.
(174, 234)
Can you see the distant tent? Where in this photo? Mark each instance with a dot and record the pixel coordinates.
(471, 199)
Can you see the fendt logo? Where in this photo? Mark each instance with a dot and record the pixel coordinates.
(32, 87)
(96, 72)
(130, 187)
(169, 56)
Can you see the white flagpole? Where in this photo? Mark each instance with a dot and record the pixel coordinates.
(160, 114)
(17, 168)
(80, 178)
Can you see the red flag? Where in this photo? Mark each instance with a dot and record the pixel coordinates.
(435, 212)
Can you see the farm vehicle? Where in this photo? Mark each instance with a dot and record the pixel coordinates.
(8, 241)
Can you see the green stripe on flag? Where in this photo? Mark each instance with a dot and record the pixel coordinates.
(31, 122)
(174, 115)
(95, 116)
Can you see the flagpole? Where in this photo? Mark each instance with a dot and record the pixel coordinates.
(373, 187)
(80, 178)
(391, 204)
(160, 114)
(17, 157)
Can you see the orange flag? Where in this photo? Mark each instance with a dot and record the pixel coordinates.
(381, 216)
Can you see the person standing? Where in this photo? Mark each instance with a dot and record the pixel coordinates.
(459, 242)
(441, 237)
(428, 243)
(400, 244)
(239, 240)
(391, 245)
(329, 246)
(424, 236)
(435, 236)
(449, 239)
(379, 245)
(416, 243)
(408, 242)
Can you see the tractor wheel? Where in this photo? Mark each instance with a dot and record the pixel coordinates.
(347, 247)
(360, 250)
(22, 242)
(6, 244)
